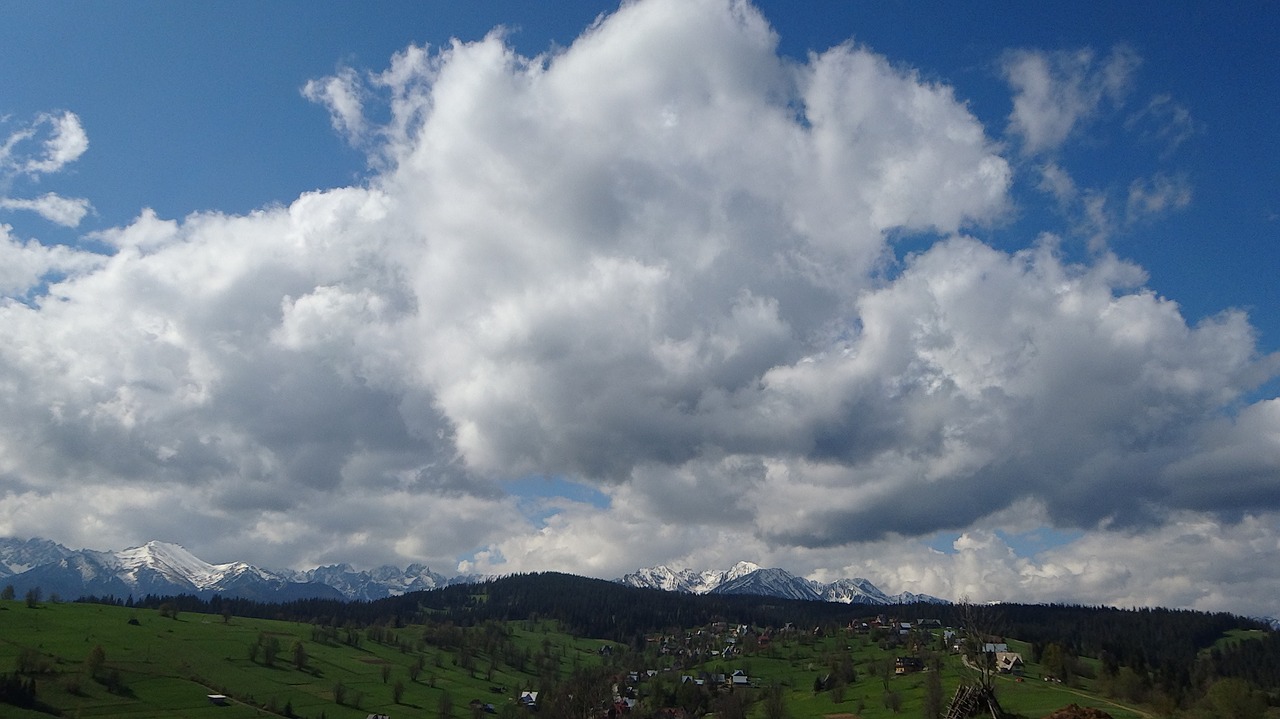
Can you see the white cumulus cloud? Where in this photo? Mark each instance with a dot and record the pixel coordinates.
(659, 263)
(64, 141)
(1054, 92)
(65, 211)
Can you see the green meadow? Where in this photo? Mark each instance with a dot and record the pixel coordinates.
(167, 667)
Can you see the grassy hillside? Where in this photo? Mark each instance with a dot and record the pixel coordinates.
(165, 667)
(152, 665)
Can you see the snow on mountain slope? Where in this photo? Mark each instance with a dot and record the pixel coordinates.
(664, 578)
(686, 580)
(159, 564)
(770, 583)
(854, 591)
(739, 570)
(381, 582)
(171, 561)
(17, 555)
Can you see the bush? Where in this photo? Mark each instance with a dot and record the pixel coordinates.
(115, 683)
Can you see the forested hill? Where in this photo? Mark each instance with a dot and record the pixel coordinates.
(1166, 648)
(1162, 647)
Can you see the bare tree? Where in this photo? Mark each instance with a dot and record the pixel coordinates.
(775, 705)
(978, 624)
(933, 694)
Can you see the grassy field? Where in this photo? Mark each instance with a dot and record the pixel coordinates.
(168, 666)
(158, 666)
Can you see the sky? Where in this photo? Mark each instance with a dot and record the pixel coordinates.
(977, 302)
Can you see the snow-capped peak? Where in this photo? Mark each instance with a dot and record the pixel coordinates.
(772, 583)
(17, 555)
(662, 577)
(176, 564)
(172, 561)
(741, 569)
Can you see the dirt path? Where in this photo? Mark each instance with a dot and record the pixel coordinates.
(1095, 698)
(1091, 697)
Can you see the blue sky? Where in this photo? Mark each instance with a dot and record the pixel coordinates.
(201, 103)
(990, 312)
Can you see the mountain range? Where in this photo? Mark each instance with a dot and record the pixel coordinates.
(162, 568)
(750, 578)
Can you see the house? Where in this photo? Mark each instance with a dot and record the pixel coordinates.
(529, 700)
(1009, 662)
(993, 648)
(907, 665)
(218, 699)
(739, 679)
(377, 716)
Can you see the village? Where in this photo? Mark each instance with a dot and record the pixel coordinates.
(716, 659)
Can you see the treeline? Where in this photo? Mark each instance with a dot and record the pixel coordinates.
(584, 606)
(1255, 660)
(1163, 644)
(1166, 649)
